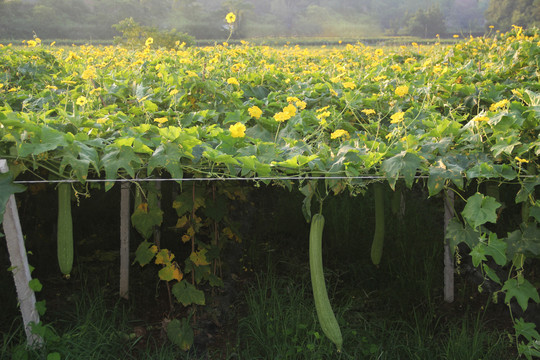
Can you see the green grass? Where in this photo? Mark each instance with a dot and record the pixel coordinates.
(281, 324)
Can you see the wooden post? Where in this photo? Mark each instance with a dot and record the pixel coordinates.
(448, 258)
(19, 265)
(124, 240)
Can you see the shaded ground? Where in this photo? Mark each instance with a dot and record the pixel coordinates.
(407, 284)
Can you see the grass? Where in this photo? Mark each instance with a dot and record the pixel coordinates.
(278, 322)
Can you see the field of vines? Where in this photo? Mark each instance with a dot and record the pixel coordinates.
(319, 121)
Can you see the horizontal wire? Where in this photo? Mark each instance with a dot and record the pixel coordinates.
(373, 177)
(270, 178)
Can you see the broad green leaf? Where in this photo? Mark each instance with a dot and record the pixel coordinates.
(457, 233)
(166, 273)
(167, 156)
(144, 253)
(491, 273)
(526, 329)
(180, 333)
(405, 164)
(187, 294)
(115, 159)
(527, 188)
(525, 242)
(478, 254)
(534, 211)
(496, 248)
(198, 258)
(480, 209)
(522, 291)
(7, 188)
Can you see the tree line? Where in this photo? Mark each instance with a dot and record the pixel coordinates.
(205, 19)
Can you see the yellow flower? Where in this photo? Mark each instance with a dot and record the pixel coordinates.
(480, 118)
(300, 104)
(397, 117)
(369, 111)
(456, 36)
(291, 99)
(173, 92)
(230, 18)
(255, 112)
(282, 116)
(232, 81)
(101, 120)
(81, 101)
(333, 92)
(95, 90)
(72, 56)
(349, 85)
(339, 133)
(89, 73)
(149, 41)
(395, 67)
(499, 105)
(161, 120)
(31, 43)
(521, 160)
(379, 52)
(402, 90)
(290, 110)
(237, 130)
(322, 117)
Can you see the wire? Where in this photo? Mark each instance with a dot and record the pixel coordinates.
(270, 178)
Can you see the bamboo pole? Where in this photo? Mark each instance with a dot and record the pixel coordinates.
(19, 265)
(448, 258)
(124, 240)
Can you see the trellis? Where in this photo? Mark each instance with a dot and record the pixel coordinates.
(19, 260)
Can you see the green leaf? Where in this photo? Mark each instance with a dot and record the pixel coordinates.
(180, 333)
(115, 159)
(41, 307)
(496, 248)
(491, 274)
(147, 215)
(143, 254)
(525, 241)
(522, 291)
(526, 329)
(167, 156)
(478, 254)
(457, 233)
(54, 356)
(35, 285)
(7, 188)
(480, 209)
(166, 273)
(187, 294)
(405, 164)
(534, 211)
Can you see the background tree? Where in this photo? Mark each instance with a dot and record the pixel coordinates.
(502, 14)
(426, 23)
